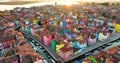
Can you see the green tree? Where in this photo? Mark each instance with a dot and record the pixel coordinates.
(93, 3)
(113, 4)
(105, 3)
(87, 3)
(118, 4)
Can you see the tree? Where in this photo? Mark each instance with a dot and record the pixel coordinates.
(87, 3)
(104, 14)
(93, 3)
(118, 4)
(105, 3)
(113, 4)
(114, 17)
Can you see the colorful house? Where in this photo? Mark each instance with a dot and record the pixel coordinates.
(117, 26)
(66, 52)
(91, 40)
(1, 46)
(101, 37)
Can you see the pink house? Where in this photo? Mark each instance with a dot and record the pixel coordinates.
(47, 39)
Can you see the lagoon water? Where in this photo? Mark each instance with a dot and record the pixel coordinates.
(10, 7)
(5, 0)
(49, 2)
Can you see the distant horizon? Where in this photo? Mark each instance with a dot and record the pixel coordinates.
(66, 0)
(100, 0)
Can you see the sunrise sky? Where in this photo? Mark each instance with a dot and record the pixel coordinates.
(100, 0)
(72, 0)
(96, 0)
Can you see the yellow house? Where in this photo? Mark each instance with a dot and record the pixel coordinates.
(117, 27)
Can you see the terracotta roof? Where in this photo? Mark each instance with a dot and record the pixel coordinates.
(11, 58)
(7, 38)
(113, 50)
(66, 49)
(2, 60)
(25, 49)
(26, 59)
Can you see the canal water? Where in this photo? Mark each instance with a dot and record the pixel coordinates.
(10, 7)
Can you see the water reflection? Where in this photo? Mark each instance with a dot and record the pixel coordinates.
(5, 0)
(10, 7)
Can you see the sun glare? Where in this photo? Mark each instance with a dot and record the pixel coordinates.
(69, 2)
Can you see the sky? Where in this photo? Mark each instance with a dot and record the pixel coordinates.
(96, 0)
(100, 0)
(74, 0)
